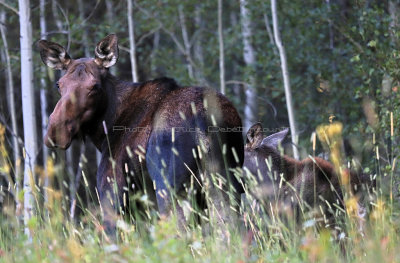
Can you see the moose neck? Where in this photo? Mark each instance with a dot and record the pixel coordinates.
(115, 90)
(285, 165)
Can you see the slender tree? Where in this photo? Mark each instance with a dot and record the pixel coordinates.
(85, 37)
(57, 19)
(43, 95)
(286, 79)
(11, 103)
(250, 109)
(269, 31)
(111, 19)
(185, 36)
(198, 45)
(28, 108)
(221, 49)
(132, 44)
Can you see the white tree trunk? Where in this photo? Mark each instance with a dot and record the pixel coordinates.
(185, 37)
(221, 49)
(110, 17)
(43, 96)
(132, 43)
(28, 108)
(11, 104)
(198, 48)
(85, 37)
(286, 80)
(250, 109)
(269, 31)
(56, 16)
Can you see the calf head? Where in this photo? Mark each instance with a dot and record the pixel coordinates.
(262, 161)
(82, 89)
(259, 149)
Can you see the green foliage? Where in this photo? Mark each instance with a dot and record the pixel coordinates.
(343, 59)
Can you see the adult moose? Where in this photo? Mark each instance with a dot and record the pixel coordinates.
(154, 136)
(300, 185)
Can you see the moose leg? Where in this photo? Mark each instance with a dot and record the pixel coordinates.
(220, 200)
(167, 204)
(223, 188)
(110, 186)
(169, 163)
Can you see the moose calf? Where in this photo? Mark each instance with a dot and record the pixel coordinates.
(299, 186)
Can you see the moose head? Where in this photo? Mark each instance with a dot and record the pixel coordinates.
(81, 88)
(258, 148)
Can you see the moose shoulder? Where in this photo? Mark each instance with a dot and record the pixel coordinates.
(310, 183)
(154, 136)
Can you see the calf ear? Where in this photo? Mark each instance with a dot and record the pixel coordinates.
(106, 52)
(254, 136)
(275, 139)
(53, 55)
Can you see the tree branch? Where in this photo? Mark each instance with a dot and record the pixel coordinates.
(9, 7)
(143, 37)
(169, 32)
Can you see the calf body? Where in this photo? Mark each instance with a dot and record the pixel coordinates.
(302, 185)
(155, 137)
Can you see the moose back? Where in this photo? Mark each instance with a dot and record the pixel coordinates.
(154, 136)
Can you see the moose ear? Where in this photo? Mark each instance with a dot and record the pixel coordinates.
(106, 52)
(275, 139)
(254, 136)
(53, 55)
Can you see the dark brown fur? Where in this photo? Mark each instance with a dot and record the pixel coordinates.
(137, 137)
(305, 185)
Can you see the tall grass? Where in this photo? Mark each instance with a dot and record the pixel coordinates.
(261, 236)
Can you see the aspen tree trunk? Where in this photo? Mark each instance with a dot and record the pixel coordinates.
(28, 108)
(85, 37)
(185, 37)
(132, 43)
(54, 10)
(250, 109)
(113, 70)
(156, 44)
(43, 97)
(11, 105)
(236, 87)
(221, 49)
(198, 45)
(269, 31)
(286, 80)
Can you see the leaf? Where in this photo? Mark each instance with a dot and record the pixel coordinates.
(372, 43)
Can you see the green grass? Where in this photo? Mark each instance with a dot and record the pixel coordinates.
(56, 238)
